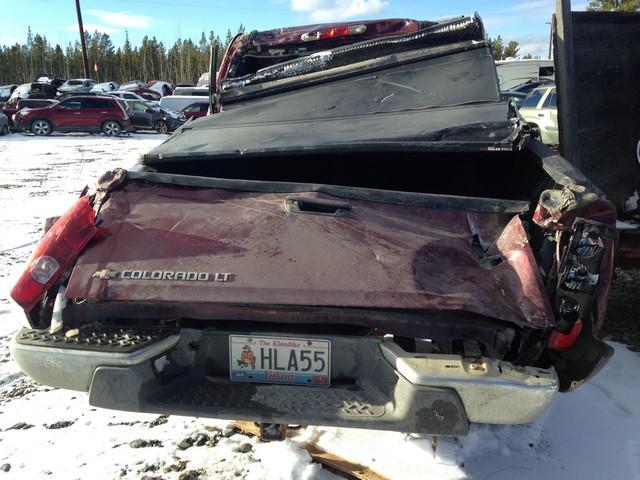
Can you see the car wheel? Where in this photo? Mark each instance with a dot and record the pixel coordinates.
(111, 128)
(4, 131)
(41, 128)
(161, 127)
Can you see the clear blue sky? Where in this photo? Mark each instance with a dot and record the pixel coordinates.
(521, 20)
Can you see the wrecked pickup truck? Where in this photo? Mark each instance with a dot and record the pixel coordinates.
(364, 236)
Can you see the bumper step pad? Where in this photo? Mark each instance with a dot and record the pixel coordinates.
(291, 399)
(111, 339)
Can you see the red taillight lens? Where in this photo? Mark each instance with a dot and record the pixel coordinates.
(562, 341)
(334, 32)
(55, 252)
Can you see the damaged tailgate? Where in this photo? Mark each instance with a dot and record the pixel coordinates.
(170, 241)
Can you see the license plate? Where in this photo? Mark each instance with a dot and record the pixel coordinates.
(294, 361)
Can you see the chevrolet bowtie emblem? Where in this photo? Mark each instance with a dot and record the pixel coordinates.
(106, 274)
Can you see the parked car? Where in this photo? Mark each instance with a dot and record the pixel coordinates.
(4, 124)
(146, 117)
(527, 87)
(163, 88)
(129, 95)
(105, 87)
(287, 260)
(196, 110)
(516, 97)
(540, 111)
(133, 84)
(203, 81)
(77, 85)
(64, 96)
(179, 102)
(193, 91)
(33, 90)
(52, 80)
(145, 93)
(11, 108)
(6, 91)
(76, 114)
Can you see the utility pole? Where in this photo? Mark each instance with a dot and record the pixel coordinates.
(85, 59)
(550, 36)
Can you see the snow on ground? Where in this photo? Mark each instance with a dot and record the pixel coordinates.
(592, 433)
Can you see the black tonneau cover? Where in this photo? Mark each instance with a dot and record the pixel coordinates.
(444, 98)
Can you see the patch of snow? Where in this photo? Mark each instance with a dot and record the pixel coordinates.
(633, 202)
(621, 225)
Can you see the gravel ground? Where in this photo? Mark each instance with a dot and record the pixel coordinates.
(623, 314)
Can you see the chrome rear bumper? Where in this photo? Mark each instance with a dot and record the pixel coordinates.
(492, 391)
(375, 384)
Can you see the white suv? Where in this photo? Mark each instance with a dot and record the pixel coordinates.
(539, 110)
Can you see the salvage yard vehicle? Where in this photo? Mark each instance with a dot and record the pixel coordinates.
(180, 102)
(163, 88)
(76, 114)
(6, 91)
(105, 87)
(34, 90)
(126, 95)
(364, 236)
(4, 124)
(146, 117)
(539, 109)
(77, 85)
(10, 109)
(196, 110)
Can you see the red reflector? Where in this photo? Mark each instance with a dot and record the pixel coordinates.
(562, 341)
(57, 249)
(336, 32)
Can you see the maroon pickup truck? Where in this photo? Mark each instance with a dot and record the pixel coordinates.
(365, 235)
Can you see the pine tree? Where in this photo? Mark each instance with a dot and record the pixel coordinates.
(614, 5)
(183, 61)
(511, 50)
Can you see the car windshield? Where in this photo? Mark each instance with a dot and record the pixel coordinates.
(74, 82)
(532, 100)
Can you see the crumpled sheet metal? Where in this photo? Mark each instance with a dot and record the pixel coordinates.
(378, 256)
(460, 29)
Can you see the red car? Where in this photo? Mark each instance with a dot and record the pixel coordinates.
(196, 110)
(77, 114)
(144, 92)
(10, 109)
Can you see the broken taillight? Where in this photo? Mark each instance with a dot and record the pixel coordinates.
(563, 341)
(334, 32)
(578, 281)
(52, 256)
